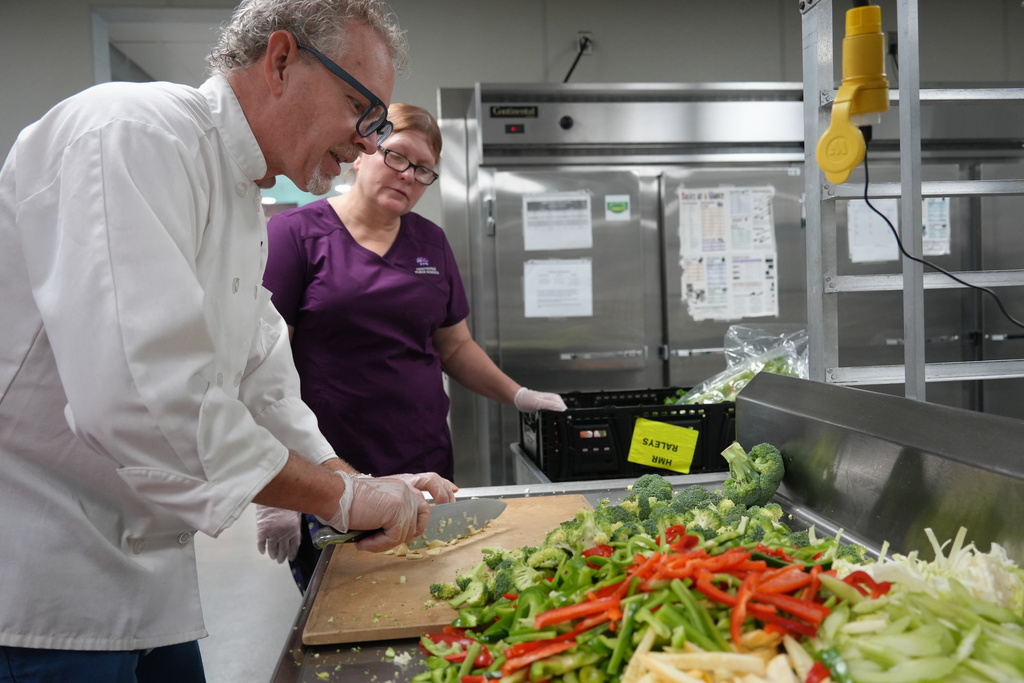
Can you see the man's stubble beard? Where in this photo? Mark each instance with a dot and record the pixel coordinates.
(319, 182)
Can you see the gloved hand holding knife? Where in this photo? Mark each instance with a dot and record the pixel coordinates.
(279, 532)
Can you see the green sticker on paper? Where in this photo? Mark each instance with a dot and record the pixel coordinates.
(657, 444)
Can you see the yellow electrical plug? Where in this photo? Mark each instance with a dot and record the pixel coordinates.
(863, 91)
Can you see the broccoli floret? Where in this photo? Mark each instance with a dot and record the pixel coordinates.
(631, 505)
(444, 591)
(477, 573)
(493, 557)
(799, 539)
(476, 594)
(647, 487)
(579, 533)
(704, 533)
(550, 557)
(562, 536)
(659, 509)
(652, 486)
(503, 582)
(691, 498)
(651, 527)
(524, 576)
(614, 514)
(730, 513)
(753, 534)
(852, 553)
(767, 517)
(705, 518)
(753, 477)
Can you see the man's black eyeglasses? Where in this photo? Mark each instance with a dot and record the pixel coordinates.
(422, 174)
(375, 118)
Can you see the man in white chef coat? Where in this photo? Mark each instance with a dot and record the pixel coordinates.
(148, 390)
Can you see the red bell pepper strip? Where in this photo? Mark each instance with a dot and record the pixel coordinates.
(810, 612)
(739, 611)
(791, 626)
(599, 551)
(485, 658)
(773, 552)
(513, 664)
(818, 673)
(810, 592)
(785, 580)
(449, 638)
(705, 586)
(860, 579)
(583, 609)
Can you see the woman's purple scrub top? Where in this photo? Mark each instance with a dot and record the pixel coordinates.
(363, 335)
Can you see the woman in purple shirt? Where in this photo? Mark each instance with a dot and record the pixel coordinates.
(377, 312)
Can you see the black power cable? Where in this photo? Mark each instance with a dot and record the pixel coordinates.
(583, 43)
(866, 130)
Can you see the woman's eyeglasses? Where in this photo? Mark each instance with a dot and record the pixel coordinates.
(398, 162)
(375, 118)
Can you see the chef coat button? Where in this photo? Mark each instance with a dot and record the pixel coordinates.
(238, 379)
(220, 379)
(138, 545)
(184, 538)
(234, 285)
(242, 189)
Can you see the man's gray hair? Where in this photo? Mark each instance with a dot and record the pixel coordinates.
(320, 24)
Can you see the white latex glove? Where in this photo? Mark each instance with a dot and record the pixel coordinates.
(529, 401)
(278, 532)
(380, 503)
(442, 490)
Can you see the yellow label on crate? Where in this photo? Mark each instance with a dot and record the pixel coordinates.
(657, 444)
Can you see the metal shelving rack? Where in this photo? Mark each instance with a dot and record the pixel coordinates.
(824, 283)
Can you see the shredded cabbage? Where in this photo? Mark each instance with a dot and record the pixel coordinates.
(993, 576)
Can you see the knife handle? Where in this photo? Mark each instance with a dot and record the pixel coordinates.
(325, 536)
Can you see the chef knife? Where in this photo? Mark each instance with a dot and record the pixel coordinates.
(448, 521)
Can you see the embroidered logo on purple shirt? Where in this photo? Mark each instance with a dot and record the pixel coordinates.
(423, 266)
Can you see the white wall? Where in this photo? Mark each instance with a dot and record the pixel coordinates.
(48, 47)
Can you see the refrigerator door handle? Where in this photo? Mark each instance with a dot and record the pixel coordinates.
(599, 355)
(687, 353)
(490, 220)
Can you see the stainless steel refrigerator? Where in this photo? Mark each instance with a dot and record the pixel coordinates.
(586, 219)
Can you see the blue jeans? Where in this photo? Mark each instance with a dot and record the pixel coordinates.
(180, 663)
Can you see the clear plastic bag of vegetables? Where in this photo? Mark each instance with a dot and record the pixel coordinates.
(781, 349)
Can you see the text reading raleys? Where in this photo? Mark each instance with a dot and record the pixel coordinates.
(657, 444)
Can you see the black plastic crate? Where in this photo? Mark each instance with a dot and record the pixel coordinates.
(591, 439)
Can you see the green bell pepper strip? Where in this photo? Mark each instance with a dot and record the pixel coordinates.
(700, 618)
(469, 662)
(625, 640)
(836, 664)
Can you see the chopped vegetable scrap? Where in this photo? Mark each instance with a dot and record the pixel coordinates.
(697, 586)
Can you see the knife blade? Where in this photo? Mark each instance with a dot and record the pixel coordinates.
(448, 521)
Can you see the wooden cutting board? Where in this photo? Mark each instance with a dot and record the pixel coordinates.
(373, 596)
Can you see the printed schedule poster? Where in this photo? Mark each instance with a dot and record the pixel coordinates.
(728, 253)
(558, 288)
(558, 220)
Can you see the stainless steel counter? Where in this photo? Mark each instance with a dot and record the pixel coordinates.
(367, 662)
(879, 468)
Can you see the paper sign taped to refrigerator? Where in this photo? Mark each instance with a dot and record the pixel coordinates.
(657, 444)
(727, 252)
(558, 288)
(557, 220)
